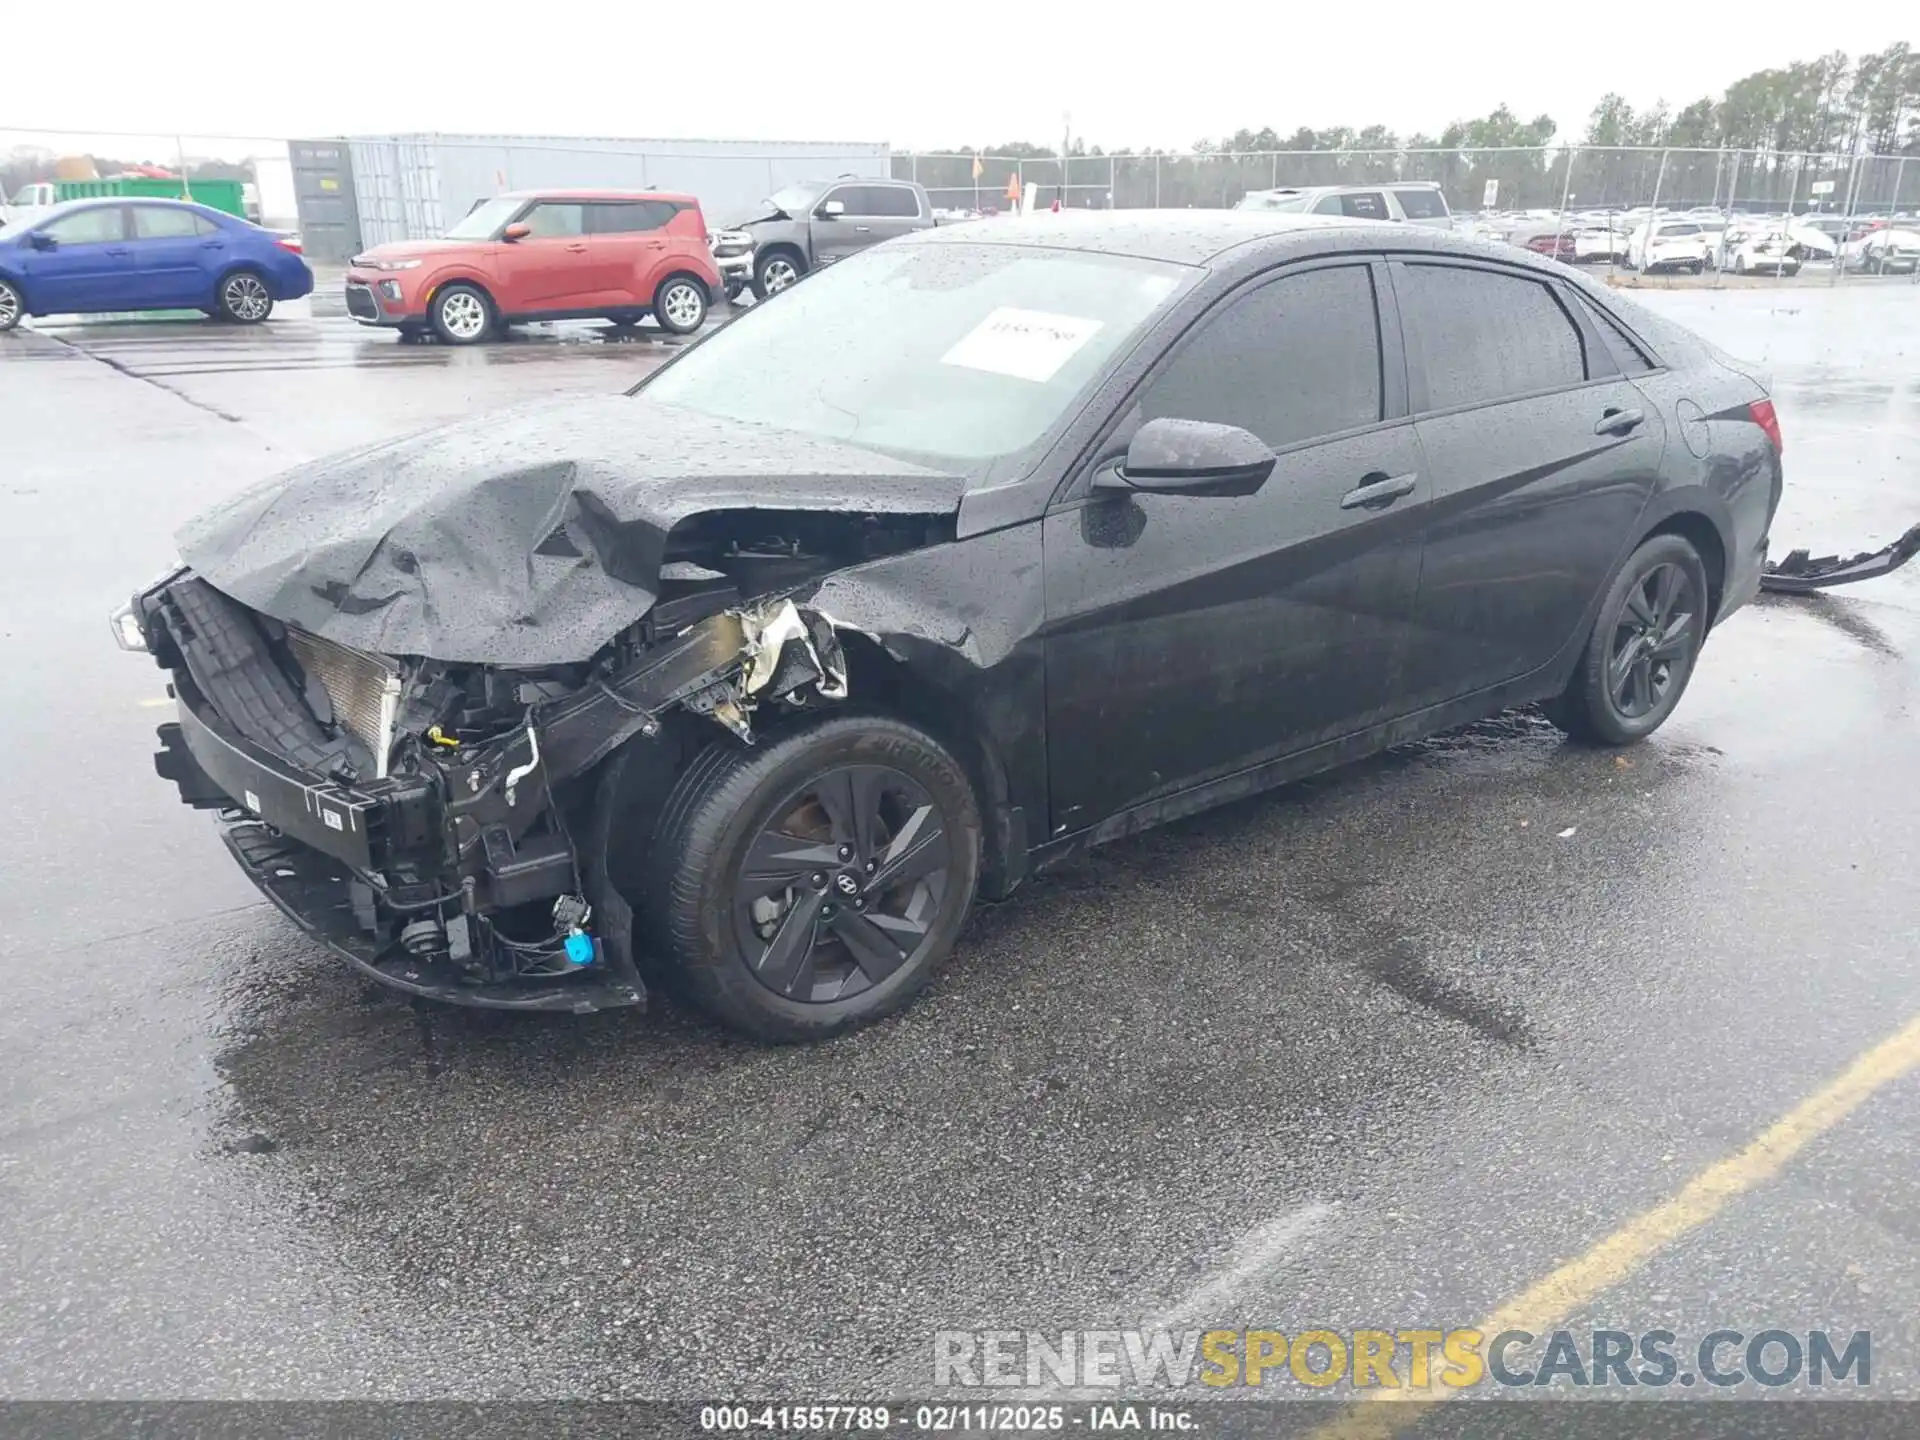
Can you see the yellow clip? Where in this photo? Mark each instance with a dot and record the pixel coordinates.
(433, 734)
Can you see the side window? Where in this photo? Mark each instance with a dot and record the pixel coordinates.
(1329, 206)
(1294, 360)
(892, 200)
(1627, 353)
(628, 217)
(204, 226)
(1483, 337)
(558, 218)
(159, 222)
(1421, 203)
(102, 224)
(1365, 205)
(854, 197)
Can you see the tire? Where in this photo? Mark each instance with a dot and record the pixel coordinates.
(1614, 698)
(462, 314)
(13, 306)
(735, 286)
(680, 305)
(775, 271)
(731, 934)
(1698, 267)
(242, 298)
(1740, 263)
(623, 322)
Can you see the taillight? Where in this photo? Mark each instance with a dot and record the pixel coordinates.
(287, 244)
(1763, 416)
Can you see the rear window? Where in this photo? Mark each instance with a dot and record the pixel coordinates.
(629, 217)
(1671, 230)
(1626, 351)
(1422, 204)
(1359, 205)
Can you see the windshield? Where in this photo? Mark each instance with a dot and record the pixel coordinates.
(483, 222)
(953, 355)
(794, 200)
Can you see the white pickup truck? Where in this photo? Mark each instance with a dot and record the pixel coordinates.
(26, 203)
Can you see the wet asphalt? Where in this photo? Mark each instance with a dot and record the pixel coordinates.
(1378, 1050)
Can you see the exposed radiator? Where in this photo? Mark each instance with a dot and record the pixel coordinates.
(364, 689)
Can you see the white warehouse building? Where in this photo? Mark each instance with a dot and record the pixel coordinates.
(357, 191)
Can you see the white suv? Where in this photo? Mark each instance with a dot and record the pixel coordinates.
(1416, 202)
(1668, 245)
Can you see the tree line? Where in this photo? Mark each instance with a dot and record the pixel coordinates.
(1789, 129)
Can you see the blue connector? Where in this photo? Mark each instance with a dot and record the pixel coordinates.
(580, 948)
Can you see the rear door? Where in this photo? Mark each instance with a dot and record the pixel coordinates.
(630, 247)
(176, 255)
(1542, 456)
(89, 268)
(551, 269)
(1189, 636)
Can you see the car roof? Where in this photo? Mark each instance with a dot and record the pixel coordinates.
(1199, 237)
(672, 195)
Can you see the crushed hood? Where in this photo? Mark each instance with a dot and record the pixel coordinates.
(530, 537)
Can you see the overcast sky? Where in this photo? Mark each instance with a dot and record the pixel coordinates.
(916, 76)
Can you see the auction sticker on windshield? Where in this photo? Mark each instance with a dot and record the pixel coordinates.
(1026, 344)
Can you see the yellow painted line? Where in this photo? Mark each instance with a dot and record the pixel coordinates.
(1548, 1303)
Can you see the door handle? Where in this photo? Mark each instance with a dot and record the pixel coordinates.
(213, 244)
(576, 249)
(653, 244)
(1377, 491)
(118, 252)
(1618, 422)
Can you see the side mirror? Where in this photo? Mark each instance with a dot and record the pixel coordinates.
(832, 210)
(40, 240)
(1191, 457)
(519, 230)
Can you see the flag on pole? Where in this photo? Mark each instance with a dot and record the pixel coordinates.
(978, 168)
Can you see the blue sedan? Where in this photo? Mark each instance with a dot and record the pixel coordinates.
(88, 256)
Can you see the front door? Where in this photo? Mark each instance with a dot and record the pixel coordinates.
(89, 266)
(1189, 636)
(552, 268)
(1543, 456)
(872, 214)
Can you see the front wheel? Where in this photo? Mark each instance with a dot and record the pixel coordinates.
(774, 272)
(243, 298)
(734, 287)
(680, 305)
(1641, 654)
(461, 315)
(812, 883)
(12, 308)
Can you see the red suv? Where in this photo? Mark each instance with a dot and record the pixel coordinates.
(544, 255)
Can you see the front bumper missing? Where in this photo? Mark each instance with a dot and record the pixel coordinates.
(1802, 574)
(405, 876)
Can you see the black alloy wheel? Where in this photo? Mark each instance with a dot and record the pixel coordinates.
(843, 884)
(1653, 641)
(1641, 654)
(812, 882)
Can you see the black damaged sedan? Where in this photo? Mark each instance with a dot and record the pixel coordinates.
(976, 549)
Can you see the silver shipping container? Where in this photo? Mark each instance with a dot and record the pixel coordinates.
(411, 187)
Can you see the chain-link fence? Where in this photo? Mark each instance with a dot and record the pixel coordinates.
(1574, 177)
